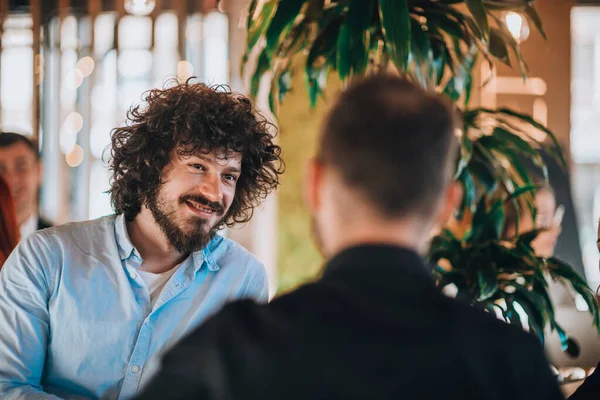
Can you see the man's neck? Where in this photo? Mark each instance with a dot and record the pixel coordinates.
(24, 215)
(158, 253)
(405, 234)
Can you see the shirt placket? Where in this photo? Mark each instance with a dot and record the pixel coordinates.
(139, 355)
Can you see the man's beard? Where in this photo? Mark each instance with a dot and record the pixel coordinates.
(197, 235)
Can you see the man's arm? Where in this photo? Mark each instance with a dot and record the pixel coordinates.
(25, 287)
(590, 388)
(218, 360)
(257, 286)
(532, 371)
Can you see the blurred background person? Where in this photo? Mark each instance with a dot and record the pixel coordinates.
(9, 230)
(547, 217)
(21, 168)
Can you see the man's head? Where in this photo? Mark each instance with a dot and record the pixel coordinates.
(198, 157)
(21, 168)
(385, 163)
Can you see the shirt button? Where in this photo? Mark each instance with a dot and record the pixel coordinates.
(135, 369)
(133, 275)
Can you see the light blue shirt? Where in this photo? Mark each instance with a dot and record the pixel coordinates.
(76, 320)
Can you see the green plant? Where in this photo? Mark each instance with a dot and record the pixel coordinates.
(505, 275)
(435, 43)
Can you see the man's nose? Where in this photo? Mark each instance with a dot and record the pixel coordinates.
(211, 187)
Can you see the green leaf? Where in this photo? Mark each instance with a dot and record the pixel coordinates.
(504, 5)
(507, 38)
(526, 118)
(495, 222)
(262, 66)
(445, 19)
(294, 41)
(322, 55)
(534, 306)
(317, 85)
(561, 270)
(514, 140)
(477, 9)
(469, 192)
(487, 282)
(353, 40)
(260, 23)
(251, 10)
(517, 165)
(479, 220)
(284, 17)
(562, 335)
(422, 54)
(439, 59)
(511, 312)
(520, 190)
(395, 24)
(498, 47)
(483, 175)
(534, 17)
(461, 79)
(284, 84)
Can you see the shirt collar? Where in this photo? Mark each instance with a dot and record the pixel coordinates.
(29, 226)
(126, 248)
(391, 260)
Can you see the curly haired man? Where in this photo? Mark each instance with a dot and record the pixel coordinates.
(86, 308)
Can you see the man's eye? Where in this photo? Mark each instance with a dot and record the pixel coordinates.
(231, 178)
(199, 167)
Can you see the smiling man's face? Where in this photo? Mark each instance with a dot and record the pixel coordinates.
(196, 193)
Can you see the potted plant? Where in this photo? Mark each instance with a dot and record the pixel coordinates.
(436, 43)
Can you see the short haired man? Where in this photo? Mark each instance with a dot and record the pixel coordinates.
(21, 168)
(86, 307)
(373, 326)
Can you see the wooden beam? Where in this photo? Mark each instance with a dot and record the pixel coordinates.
(3, 15)
(155, 13)
(181, 12)
(36, 22)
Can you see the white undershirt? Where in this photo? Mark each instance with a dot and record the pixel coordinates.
(156, 282)
(29, 226)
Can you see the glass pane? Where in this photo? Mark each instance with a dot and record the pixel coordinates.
(135, 33)
(16, 74)
(215, 66)
(99, 200)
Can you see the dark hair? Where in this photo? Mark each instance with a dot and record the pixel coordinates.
(392, 141)
(10, 138)
(192, 118)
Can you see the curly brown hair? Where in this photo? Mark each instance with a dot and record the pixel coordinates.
(192, 118)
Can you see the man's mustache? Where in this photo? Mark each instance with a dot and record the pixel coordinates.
(218, 207)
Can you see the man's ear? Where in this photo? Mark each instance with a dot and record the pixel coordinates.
(452, 200)
(313, 173)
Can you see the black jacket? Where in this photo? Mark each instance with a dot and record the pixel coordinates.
(373, 327)
(590, 388)
(43, 224)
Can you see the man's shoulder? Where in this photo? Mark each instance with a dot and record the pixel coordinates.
(482, 328)
(227, 253)
(80, 229)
